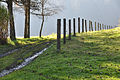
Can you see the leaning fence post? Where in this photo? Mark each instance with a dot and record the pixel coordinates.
(79, 25)
(86, 25)
(64, 31)
(82, 25)
(74, 34)
(69, 29)
(95, 27)
(58, 34)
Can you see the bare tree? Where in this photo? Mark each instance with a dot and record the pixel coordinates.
(45, 8)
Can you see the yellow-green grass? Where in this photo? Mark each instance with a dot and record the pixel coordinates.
(89, 56)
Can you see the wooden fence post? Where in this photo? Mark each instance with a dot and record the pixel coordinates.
(69, 29)
(74, 33)
(58, 34)
(95, 27)
(98, 27)
(89, 26)
(111, 27)
(82, 25)
(79, 25)
(103, 26)
(64, 31)
(86, 25)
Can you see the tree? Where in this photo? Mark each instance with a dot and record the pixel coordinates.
(27, 5)
(3, 24)
(27, 19)
(45, 8)
(11, 18)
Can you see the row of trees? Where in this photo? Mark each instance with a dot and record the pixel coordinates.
(40, 8)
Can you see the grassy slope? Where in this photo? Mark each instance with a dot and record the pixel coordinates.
(90, 56)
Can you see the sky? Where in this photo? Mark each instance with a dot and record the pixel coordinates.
(103, 11)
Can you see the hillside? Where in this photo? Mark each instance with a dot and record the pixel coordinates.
(89, 56)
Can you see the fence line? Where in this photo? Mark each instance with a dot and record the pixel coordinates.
(84, 28)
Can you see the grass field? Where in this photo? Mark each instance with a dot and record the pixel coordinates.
(89, 56)
(25, 48)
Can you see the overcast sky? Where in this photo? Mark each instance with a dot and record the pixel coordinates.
(103, 11)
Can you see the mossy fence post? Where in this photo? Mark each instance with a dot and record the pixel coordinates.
(69, 29)
(79, 25)
(82, 25)
(64, 31)
(74, 33)
(58, 34)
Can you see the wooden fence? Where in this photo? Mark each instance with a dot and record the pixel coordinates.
(84, 28)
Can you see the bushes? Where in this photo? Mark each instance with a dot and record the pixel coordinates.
(3, 24)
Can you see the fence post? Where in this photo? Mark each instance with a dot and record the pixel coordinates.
(86, 25)
(69, 29)
(58, 34)
(103, 26)
(98, 26)
(64, 31)
(79, 25)
(89, 26)
(95, 27)
(74, 33)
(82, 25)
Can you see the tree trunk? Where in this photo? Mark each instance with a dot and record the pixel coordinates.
(42, 26)
(12, 26)
(27, 19)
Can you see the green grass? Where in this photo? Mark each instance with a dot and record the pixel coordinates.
(26, 48)
(89, 56)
